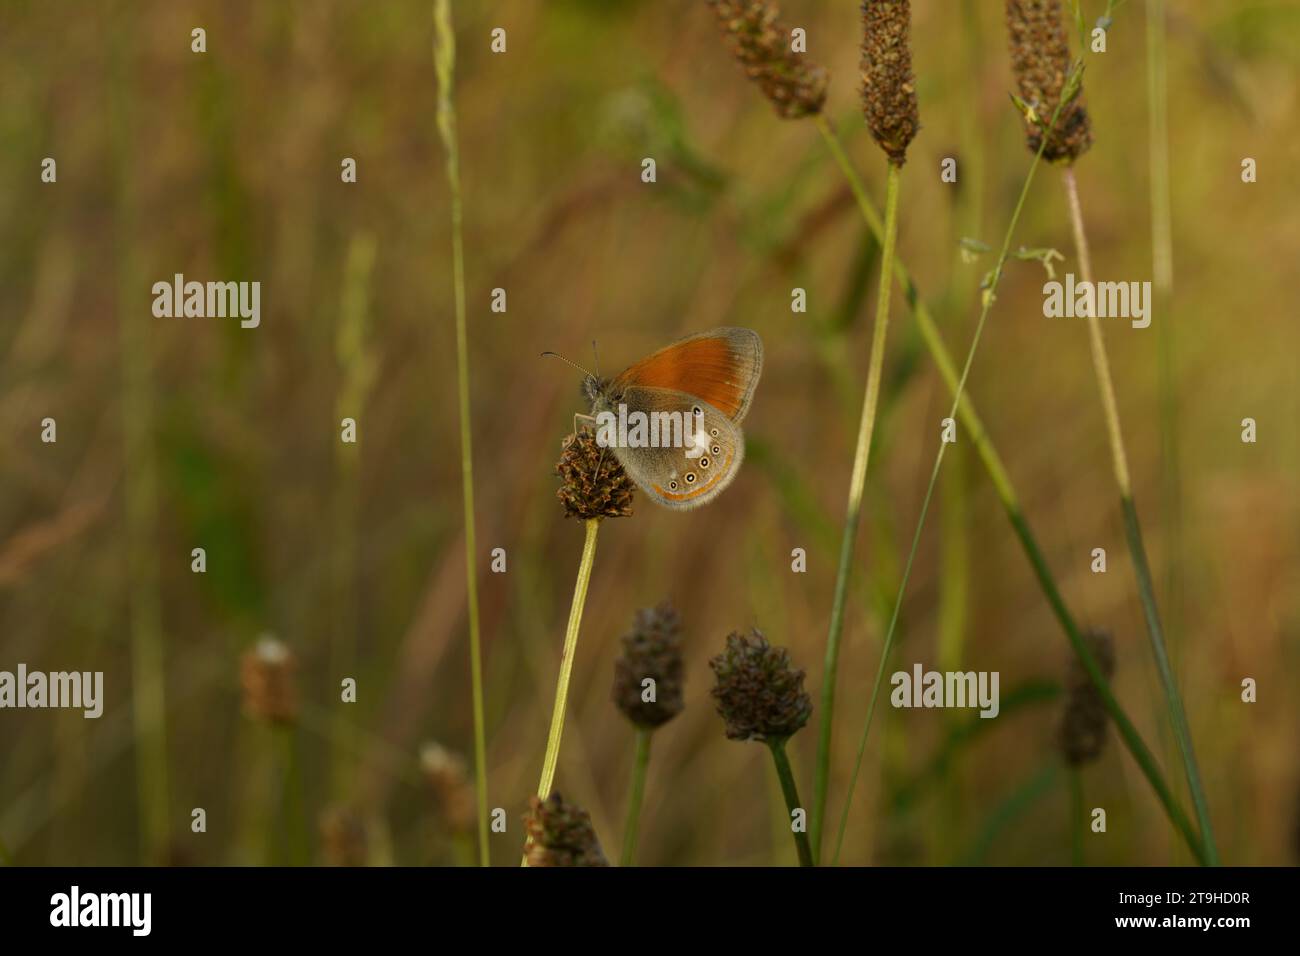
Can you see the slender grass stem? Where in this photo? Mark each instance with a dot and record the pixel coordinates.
(857, 482)
(462, 849)
(961, 736)
(444, 56)
(925, 323)
(1162, 274)
(592, 526)
(148, 659)
(1128, 732)
(267, 804)
(998, 475)
(277, 817)
(294, 802)
(552, 758)
(1076, 817)
(356, 369)
(1162, 269)
(791, 793)
(1089, 663)
(1178, 716)
(1133, 533)
(954, 595)
(1101, 364)
(635, 795)
(955, 581)
(1012, 808)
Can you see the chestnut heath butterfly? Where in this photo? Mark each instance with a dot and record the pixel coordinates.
(694, 392)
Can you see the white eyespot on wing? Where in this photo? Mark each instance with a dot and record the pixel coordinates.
(699, 443)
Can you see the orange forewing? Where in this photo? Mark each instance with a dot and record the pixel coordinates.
(710, 366)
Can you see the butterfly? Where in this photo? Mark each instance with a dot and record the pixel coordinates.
(673, 419)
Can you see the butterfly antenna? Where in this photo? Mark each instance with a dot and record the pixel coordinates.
(567, 362)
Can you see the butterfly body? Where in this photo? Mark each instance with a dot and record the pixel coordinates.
(673, 419)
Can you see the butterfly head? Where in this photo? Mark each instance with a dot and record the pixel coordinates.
(600, 392)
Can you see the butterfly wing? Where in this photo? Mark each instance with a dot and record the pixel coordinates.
(690, 465)
(720, 367)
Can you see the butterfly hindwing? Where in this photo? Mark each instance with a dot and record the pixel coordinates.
(699, 450)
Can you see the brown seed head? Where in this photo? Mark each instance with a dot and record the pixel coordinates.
(1082, 731)
(795, 87)
(343, 836)
(452, 790)
(560, 834)
(1040, 60)
(594, 483)
(266, 675)
(653, 649)
(758, 693)
(888, 87)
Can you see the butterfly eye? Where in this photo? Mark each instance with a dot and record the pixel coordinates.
(704, 463)
(716, 450)
(690, 477)
(714, 433)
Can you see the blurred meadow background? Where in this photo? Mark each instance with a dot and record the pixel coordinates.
(182, 433)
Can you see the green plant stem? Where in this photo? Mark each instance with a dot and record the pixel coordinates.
(148, 662)
(1076, 817)
(444, 55)
(282, 810)
(962, 734)
(462, 849)
(1128, 732)
(269, 803)
(294, 803)
(592, 526)
(356, 370)
(1178, 716)
(1133, 533)
(1139, 750)
(955, 581)
(857, 482)
(974, 428)
(1011, 808)
(552, 758)
(635, 795)
(1162, 274)
(925, 323)
(1100, 363)
(954, 595)
(791, 792)
(1162, 251)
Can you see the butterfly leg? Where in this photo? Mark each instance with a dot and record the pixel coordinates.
(588, 420)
